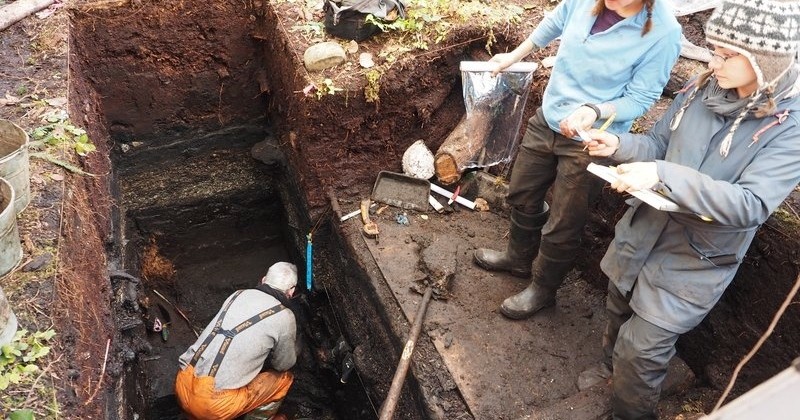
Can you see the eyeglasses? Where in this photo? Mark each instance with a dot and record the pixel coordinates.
(718, 59)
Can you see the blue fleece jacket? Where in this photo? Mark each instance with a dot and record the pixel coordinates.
(617, 66)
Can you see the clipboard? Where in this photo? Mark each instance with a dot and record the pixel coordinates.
(654, 199)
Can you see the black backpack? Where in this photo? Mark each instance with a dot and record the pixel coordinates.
(347, 18)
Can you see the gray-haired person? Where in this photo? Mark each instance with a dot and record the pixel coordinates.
(221, 374)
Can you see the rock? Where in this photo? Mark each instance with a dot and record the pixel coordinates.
(268, 153)
(365, 60)
(323, 55)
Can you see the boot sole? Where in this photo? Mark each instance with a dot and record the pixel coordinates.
(518, 315)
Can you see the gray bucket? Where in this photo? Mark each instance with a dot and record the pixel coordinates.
(8, 321)
(14, 162)
(10, 249)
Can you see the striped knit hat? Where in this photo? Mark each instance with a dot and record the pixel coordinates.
(767, 32)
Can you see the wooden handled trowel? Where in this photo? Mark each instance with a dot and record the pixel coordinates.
(370, 228)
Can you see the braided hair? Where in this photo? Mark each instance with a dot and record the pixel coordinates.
(648, 24)
(760, 111)
(600, 6)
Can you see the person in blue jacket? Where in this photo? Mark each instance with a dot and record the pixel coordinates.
(614, 58)
(727, 152)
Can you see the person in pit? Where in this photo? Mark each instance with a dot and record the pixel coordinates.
(221, 374)
(726, 152)
(614, 59)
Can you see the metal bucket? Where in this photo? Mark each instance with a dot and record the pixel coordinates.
(10, 248)
(14, 162)
(8, 321)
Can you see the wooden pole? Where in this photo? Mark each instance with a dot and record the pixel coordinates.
(389, 406)
(463, 145)
(18, 10)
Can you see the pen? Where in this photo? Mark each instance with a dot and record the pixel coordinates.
(608, 122)
(604, 126)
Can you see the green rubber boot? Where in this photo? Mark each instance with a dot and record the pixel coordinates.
(523, 243)
(548, 274)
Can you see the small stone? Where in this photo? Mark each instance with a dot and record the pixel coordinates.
(324, 55)
(365, 60)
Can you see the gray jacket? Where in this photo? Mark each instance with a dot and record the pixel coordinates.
(679, 264)
(272, 337)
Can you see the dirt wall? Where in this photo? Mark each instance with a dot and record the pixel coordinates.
(165, 68)
(174, 77)
(343, 141)
(745, 311)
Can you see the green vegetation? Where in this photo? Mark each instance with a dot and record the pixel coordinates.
(17, 358)
(430, 21)
(426, 24)
(59, 130)
(310, 29)
(373, 87)
(327, 88)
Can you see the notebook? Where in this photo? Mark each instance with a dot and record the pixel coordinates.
(650, 197)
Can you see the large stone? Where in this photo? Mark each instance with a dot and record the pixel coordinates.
(323, 55)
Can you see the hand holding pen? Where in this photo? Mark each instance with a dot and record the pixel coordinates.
(588, 139)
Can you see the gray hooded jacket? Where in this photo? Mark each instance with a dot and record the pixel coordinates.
(678, 263)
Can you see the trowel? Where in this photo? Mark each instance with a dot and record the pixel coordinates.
(370, 228)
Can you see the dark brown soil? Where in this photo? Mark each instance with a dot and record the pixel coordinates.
(147, 72)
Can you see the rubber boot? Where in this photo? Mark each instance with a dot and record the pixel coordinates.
(267, 411)
(523, 243)
(548, 274)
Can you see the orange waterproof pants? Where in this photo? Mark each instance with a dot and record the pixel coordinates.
(201, 401)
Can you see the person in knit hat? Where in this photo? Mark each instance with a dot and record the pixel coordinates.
(726, 152)
(222, 374)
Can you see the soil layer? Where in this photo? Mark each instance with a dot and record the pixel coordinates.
(148, 79)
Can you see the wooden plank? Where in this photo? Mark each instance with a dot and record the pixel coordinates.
(18, 10)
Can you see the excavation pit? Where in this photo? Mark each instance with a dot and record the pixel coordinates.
(218, 161)
(190, 258)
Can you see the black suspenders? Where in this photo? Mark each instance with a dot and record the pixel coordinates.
(229, 334)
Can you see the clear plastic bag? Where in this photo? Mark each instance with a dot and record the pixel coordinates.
(494, 109)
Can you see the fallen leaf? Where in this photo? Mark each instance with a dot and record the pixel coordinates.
(56, 102)
(57, 177)
(10, 100)
(365, 60)
(44, 14)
